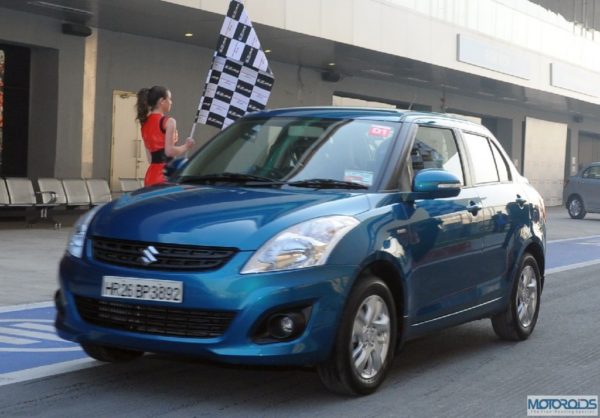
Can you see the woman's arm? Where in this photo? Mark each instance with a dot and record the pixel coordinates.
(172, 150)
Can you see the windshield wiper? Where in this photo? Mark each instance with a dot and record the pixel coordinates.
(226, 177)
(327, 184)
(252, 180)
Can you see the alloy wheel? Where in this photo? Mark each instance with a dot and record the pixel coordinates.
(527, 296)
(575, 207)
(370, 340)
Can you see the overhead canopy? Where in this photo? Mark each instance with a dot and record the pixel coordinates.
(164, 20)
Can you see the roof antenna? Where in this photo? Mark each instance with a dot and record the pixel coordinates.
(412, 102)
(443, 106)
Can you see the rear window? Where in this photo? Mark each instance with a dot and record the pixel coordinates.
(484, 164)
(501, 164)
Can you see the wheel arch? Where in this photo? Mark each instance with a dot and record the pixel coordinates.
(537, 251)
(571, 196)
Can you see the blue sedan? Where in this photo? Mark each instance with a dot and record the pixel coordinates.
(311, 236)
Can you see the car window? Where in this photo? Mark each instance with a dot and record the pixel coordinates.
(592, 173)
(484, 165)
(501, 164)
(436, 148)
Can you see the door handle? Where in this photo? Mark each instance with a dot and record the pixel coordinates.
(474, 207)
(520, 200)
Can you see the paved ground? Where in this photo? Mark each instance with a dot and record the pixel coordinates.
(29, 261)
(561, 226)
(29, 256)
(463, 371)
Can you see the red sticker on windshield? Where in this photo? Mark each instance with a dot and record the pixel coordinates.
(380, 131)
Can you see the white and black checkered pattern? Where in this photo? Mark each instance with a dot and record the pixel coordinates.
(240, 79)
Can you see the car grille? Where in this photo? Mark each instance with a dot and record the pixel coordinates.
(161, 256)
(154, 319)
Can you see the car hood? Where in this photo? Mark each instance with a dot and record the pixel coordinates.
(217, 216)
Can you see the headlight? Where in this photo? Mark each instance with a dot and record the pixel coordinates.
(304, 245)
(77, 238)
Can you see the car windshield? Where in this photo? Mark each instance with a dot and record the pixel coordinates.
(301, 152)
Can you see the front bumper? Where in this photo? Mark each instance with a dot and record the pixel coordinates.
(250, 297)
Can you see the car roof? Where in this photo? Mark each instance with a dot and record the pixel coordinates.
(370, 113)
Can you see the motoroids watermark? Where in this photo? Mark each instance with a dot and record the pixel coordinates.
(562, 405)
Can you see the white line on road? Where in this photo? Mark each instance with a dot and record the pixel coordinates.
(39, 350)
(572, 266)
(49, 370)
(37, 327)
(30, 334)
(573, 239)
(16, 341)
(26, 306)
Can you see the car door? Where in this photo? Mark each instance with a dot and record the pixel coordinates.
(445, 233)
(589, 188)
(505, 213)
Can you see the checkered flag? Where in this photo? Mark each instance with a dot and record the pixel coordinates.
(240, 79)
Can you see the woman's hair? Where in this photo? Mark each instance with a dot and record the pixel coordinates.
(147, 99)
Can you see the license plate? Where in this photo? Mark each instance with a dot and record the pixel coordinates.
(142, 289)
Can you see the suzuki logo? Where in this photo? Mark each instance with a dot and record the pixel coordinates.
(148, 255)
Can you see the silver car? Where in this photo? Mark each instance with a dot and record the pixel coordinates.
(582, 192)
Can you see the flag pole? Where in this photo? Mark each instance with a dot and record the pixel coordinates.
(187, 153)
(193, 130)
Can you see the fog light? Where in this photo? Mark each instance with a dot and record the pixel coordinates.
(285, 324)
(282, 326)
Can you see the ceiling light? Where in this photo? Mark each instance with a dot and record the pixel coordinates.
(450, 87)
(188, 34)
(267, 51)
(60, 7)
(377, 72)
(418, 80)
(331, 64)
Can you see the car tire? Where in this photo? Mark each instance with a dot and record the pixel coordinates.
(365, 343)
(576, 208)
(519, 320)
(110, 354)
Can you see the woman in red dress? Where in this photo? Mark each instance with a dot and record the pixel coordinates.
(159, 131)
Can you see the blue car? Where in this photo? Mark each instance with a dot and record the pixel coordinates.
(311, 236)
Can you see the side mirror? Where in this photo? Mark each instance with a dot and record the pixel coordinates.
(173, 166)
(435, 183)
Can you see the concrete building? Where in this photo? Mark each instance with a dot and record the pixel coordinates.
(530, 71)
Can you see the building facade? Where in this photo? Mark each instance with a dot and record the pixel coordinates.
(69, 70)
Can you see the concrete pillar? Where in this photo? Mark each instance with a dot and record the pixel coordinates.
(517, 143)
(573, 148)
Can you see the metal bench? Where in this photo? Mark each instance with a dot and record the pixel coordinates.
(4, 199)
(98, 191)
(22, 195)
(76, 193)
(130, 184)
(47, 185)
